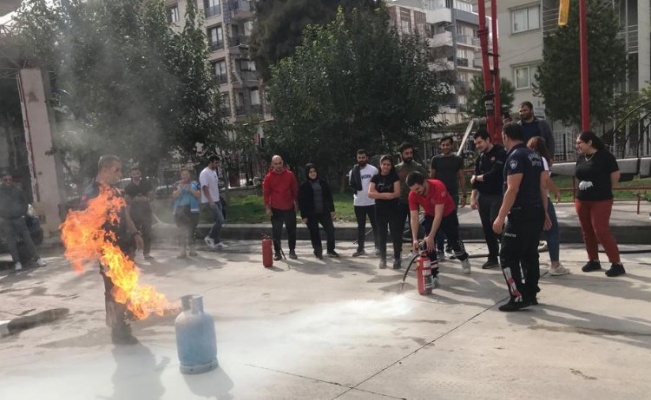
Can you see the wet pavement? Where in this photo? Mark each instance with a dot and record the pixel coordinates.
(336, 329)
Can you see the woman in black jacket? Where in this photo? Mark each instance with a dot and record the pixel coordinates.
(317, 207)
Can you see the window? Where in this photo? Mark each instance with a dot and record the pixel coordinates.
(255, 96)
(524, 76)
(226, 103)
(174, 14)
(220, 72)
(405, 26)
(247, 65)
(525, 19)
(212, 8)
(248, 27)
(216, 37)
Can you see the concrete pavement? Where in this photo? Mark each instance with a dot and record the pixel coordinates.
(337, 329)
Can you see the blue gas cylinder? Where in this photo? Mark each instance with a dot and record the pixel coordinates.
(195, 337)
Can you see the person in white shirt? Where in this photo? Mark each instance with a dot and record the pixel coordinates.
(209, 182)
(360, 178)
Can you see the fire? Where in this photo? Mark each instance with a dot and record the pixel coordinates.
(87, 239)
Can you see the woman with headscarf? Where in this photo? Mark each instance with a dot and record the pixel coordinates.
(385, 189)
(317, 207)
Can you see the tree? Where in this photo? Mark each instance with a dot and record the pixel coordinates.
(280, 24)
(124, 82)
(354, 83)
(558, 77)
(476, 105)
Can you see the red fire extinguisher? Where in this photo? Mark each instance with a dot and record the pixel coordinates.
(267, 259)
(424, 274)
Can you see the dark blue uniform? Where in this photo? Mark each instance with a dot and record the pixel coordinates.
(519, 252)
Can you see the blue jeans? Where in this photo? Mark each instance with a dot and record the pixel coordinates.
(440, 236)
(218, 217)
(553, 235)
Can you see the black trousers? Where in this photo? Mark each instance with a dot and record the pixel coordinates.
(143, 222)
(187, 222)
(519, 252)
(361, 212)
(325, 219)
(489, 208)
(278, 218)
(392, 219)
(450, 227)
(116, 313)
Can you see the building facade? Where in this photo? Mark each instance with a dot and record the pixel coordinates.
(228, 25)
(451, 28)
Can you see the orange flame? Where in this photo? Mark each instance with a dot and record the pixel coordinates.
(87, 239)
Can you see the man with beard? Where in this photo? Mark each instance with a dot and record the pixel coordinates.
(404, 168)
(447, 167)
(138, 195)
(360, 179)
(532, 126)
(487, 182)
(124, 235)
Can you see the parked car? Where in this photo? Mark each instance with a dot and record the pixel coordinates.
(35, 231)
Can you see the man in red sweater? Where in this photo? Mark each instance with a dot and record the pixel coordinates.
(280, 191)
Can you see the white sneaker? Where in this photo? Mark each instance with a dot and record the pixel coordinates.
(440, 255)
(209, 241)
(220, 246)
(558, 271)
(18, 266)
(436, 282)
(40, 262)
(465, 266)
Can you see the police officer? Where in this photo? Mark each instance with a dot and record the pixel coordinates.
(525, 203)
(126, 237)
(487, 182)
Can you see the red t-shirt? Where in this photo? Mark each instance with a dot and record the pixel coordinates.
(437, 194)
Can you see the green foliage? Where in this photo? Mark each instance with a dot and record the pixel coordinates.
(124, 82)
(280, 23)
(354, 83)
(475, 96)
(558, 77)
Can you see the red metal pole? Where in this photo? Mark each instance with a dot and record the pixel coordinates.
(585, 90)
(496, 136)
(496, 71)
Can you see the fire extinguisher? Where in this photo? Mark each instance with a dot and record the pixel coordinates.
(267, 259)
(424, 274)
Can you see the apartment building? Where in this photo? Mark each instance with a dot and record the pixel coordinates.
(451, 28)
(522, 24)
(228, 25)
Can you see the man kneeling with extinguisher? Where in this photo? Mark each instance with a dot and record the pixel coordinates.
(440, 212)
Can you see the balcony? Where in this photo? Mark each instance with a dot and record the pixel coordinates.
(216, 46)
(238, 40)
(440, 39)
(462, 62)
(462, 87)
(629, 35)
(250, 109)
(241, 9)
(213, 11)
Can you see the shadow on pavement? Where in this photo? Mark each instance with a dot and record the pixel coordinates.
(214, 384)
(138, 373)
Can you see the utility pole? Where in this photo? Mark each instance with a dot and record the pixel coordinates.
(491, 77)
(585, 88)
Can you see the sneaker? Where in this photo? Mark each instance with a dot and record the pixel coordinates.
(435, 282)
(209, 241)
(397, 263)
(450, 253)
(333, 253)
(591, 266)
(219, 246)
(277, 257)
(40, 262)
(292, 255)
(18, 266)
(542, 246)
(359, 253)
(615, 270)
(149, 257)
(465, 266)
(491, 263)
(558, 271)
(383, 264)
(514, 306)
(440, 255)
(318, 255)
